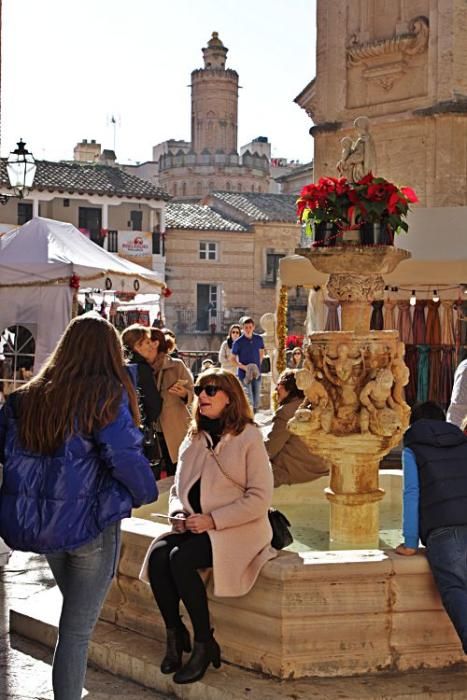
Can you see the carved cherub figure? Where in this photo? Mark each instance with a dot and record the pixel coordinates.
(377, 402)
(315, 395)
(340, 369)
(344, 168)
(400, 372)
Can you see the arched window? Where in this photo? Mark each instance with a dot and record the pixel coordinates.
(239, 187)
(252, 188)
(174, 189)
(17, 350)
(199, 187)
(227, 186)
(183, 189)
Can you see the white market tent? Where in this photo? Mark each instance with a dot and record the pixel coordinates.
(37, 261)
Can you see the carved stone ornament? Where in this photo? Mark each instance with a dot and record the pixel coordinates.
(387, 60)
(348, 287)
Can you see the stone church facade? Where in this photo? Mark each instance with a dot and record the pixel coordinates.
(403, 64)
(210, 161)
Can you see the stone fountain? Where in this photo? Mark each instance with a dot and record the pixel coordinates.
(353, 381)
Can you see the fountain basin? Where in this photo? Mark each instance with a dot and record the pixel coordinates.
(312, 612)
(359, 260)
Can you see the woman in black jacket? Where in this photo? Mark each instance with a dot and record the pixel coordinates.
(141, 353)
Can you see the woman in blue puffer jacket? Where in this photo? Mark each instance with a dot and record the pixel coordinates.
(73, 467)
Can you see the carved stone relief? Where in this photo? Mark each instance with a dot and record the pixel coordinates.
(384, 62)
(354, 387)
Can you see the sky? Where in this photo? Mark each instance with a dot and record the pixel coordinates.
(69, 65)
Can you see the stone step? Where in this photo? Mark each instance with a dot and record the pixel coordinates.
(135, 657)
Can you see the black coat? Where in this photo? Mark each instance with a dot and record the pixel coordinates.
(149, 397)
(440, 450)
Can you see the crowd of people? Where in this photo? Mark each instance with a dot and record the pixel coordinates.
(76, 461)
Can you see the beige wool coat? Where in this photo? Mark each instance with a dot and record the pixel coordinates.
(241, 542)
(175, 415)
(292, 462)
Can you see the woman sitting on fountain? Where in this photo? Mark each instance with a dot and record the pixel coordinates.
(218, 508)
(292, 463)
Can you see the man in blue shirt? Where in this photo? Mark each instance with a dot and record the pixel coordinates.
(435, 505)
(248, 350)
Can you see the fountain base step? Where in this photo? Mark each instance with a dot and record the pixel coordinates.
(135, 657)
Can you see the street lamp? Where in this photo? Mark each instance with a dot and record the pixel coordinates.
(21, 168)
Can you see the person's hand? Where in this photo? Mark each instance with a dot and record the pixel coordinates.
(199, 523)
(178, 390)
(405, 551)
(178, 522)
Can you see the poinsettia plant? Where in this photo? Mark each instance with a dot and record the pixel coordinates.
(370, 200)
(376, 200)
(327, 200)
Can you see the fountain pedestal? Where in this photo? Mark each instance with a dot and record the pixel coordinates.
(353, 382)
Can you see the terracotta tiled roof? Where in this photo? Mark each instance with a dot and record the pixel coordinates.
(257, 206)
(86, 178)
(198, 217)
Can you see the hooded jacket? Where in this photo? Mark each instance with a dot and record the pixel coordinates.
(59, 502)
(440, 450)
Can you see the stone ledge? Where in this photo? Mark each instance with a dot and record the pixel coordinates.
(137, 658)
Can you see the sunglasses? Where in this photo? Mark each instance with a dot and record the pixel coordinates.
(209, 389)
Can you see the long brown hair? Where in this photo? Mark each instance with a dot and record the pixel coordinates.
(166, 339)
(237, 414)
(133, 334)
(78, 389)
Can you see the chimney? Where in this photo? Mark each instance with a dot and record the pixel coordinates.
(85, 152)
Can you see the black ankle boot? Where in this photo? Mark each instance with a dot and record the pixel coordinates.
(202, 655)
(178, 641)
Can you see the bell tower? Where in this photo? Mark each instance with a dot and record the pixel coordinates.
(214, 102)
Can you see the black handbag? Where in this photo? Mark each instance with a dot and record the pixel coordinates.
(281, 535)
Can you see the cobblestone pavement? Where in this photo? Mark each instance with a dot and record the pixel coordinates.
(25, 667)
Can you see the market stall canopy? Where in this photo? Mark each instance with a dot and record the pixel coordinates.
(48, 252)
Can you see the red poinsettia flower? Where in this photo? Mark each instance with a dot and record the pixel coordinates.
(409, 194)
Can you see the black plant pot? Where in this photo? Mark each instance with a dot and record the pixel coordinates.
(376, 234)
(368, 233)
(324, 234)
(385, 235)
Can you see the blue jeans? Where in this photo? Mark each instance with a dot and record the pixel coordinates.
(446, 550)
(83, 576)
(253, 392)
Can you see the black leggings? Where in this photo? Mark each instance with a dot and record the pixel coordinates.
(173, 574)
